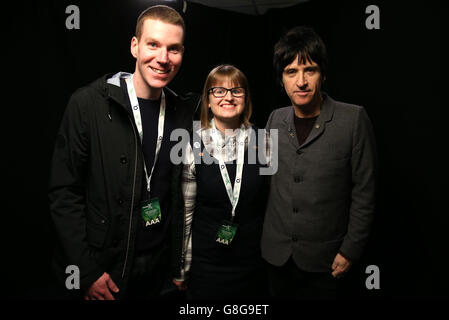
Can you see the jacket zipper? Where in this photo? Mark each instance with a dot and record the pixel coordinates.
(132, 200)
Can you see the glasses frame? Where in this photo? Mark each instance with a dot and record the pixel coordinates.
(211, 90)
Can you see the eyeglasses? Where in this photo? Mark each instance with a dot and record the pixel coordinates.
(220, 92)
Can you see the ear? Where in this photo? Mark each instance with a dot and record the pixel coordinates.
(134, 46)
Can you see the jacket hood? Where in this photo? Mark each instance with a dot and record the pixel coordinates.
(113, 86)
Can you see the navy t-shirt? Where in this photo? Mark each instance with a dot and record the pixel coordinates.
(154, 235)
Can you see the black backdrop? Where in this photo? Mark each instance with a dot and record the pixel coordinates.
(395, 72)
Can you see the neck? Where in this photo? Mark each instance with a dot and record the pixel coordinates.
(309, 111)
(143, 90)
(227, 126)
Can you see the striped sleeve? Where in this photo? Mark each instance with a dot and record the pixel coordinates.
(189, 194)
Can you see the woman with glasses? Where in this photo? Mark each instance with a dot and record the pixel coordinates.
(224, 196)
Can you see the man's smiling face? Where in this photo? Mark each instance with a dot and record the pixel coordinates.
(158, 54)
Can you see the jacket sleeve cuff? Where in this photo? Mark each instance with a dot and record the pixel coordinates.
(344, 255)
(87, 279)
(350, 250)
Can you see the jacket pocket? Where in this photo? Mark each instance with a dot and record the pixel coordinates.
(96, 228)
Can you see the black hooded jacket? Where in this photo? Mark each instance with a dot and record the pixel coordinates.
(96, 181)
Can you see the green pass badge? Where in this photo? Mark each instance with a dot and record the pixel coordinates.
(151, 212)
(226, 233)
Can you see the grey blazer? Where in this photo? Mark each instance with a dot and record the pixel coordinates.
(322, 197)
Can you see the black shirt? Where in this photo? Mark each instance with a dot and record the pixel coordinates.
(155, 235)
(303, 127)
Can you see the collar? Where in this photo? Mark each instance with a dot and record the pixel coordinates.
(326, 113)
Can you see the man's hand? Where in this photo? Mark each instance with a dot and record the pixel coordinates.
(340, 266)
(101, 289)
(180, 284)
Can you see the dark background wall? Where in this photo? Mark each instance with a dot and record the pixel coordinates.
(395, 72)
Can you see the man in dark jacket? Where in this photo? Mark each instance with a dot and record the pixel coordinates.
(321, 200)
(111, 173)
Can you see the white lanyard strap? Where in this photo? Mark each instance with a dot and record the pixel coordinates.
(138, 120)
(233, 193)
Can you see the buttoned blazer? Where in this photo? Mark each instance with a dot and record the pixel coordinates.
(322, 197)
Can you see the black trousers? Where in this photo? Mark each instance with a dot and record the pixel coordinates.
(290, 282)
(149, 274)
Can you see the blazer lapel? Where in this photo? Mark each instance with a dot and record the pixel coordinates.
(291, 130)
(326, 113)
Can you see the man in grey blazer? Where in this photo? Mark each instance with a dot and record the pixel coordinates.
(322, 197)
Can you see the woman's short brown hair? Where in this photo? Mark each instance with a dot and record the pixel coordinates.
(238, 78)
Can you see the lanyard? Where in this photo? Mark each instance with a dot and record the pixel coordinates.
(138, 120)
(233, 194)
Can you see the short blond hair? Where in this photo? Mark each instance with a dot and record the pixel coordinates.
(162, 13)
